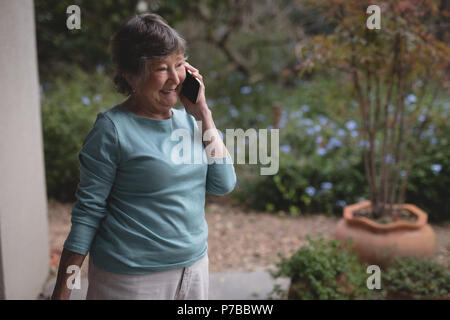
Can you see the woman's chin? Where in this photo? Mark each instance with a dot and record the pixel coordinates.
(171, 100)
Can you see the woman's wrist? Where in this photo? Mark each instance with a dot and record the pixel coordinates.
(202, 114)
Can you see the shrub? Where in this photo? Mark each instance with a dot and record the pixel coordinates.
(69, 108)
(430, 176)
(322, 270)
(416, 278)
(322, 169)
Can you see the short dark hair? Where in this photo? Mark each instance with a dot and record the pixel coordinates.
(140, 38)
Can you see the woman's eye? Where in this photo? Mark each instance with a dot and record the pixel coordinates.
(179, 65)
(162, 69)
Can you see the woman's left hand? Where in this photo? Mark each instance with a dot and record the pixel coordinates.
(197, 109)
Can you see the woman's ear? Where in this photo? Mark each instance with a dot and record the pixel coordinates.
(130, 79)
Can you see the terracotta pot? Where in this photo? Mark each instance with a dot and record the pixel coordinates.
(378, 243)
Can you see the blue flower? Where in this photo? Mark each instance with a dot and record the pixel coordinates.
(321, 151)
(364, 143)
(341, 203)
(226, 100)
(297, 114)
(246, 90)
(342, 133)
(421, 118)
(334, 142)
(389, 158)
(310, 191)
(411, 98)
(285, 148)
(234, 113)
(85, 100)
(304, 108)
(310, 131)
(354, 133)
(319, 139)
(436, 168)
(326, 185)
(261, 117)
(403, 173)
(317, 128)
(322, 119)
(351, 125)
(284, 119)
(97, 97)
(100, 68)
(434, 140)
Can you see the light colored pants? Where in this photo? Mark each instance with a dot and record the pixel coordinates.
(190, 283)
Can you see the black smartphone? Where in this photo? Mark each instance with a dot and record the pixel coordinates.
(190, 87)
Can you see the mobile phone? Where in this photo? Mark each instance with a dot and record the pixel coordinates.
(190, 87)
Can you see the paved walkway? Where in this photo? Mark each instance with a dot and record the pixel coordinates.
(222, 286)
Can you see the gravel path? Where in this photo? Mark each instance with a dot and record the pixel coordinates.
(240, 241)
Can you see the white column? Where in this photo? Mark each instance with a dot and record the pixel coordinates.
(24, 247)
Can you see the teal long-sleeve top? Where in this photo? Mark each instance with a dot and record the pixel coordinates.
(138, 210)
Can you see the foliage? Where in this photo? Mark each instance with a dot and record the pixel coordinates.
(324, 270)
(321, 146)
(429, 181)
(69, 109)
(420, 278)
(321, 163)
(390, 70)
(87, 47)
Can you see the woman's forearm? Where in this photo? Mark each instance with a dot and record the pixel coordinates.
(62, 290)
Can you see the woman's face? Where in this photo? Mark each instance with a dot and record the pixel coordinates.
(163, 84)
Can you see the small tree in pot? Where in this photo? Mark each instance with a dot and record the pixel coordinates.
(385, 66)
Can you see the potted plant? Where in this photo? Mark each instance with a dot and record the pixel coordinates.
(322, 270)
(412, 278)
(396, 73)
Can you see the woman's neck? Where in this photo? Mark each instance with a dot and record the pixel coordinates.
(138, 107)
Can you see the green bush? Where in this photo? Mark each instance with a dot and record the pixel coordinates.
(321, 157)
(69, 108)
(321, 167)
(322, 270)
(418, 278)
(430, 177)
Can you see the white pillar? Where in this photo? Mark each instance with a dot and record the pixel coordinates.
(24, 247)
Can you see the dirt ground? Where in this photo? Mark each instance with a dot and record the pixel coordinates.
(240, 241)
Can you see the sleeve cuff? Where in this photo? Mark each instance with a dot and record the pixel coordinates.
(80, 238)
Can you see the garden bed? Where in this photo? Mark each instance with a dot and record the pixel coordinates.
(240, 241)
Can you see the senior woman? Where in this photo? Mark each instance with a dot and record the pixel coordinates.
(139, 214)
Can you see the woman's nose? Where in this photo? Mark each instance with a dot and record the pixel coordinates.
(174, 76)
